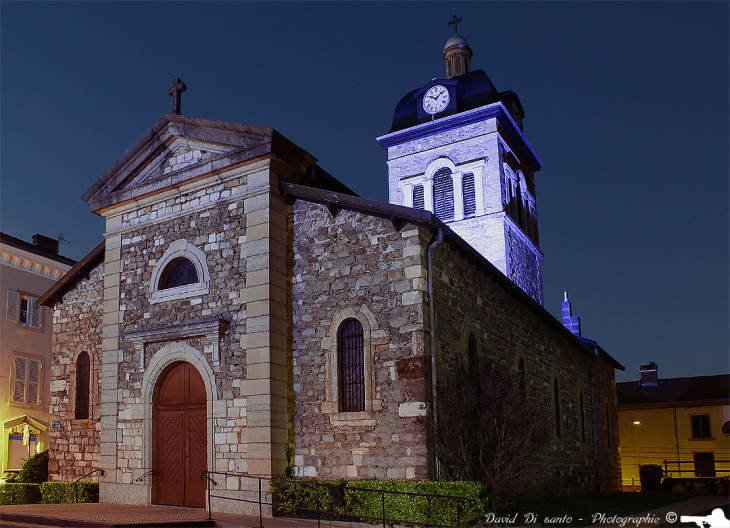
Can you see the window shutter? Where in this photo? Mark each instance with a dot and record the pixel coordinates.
(418, 202)
(443, 194)
(467, 184)
(36, 314)
(21, 364)
(13, 306)
(34, 377)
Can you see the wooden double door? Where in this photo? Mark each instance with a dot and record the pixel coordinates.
(182, 438)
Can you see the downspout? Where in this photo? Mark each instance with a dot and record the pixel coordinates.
(593, 417)
(432, 335)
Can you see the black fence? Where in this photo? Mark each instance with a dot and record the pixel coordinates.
(696, 468)
(261, 502)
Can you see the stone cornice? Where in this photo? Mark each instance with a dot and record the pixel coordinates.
(32, 263)
(494, 110)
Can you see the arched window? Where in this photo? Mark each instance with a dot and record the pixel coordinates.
(83, 386)
(351, 366)
(473, 356)
(443, 194)
(418, 201)
(582, 418)
(467, 185)
(522, 377)
(558, 428)
(179, 272)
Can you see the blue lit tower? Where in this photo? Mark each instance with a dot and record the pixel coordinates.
(456, 148)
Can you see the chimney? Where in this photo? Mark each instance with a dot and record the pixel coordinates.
(46, 244)
(649, 375)
(570, 321)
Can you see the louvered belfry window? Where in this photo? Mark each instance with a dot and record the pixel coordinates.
(418, 201)
(82, 386)
(351, 367)
(443, 194)
(467, 185)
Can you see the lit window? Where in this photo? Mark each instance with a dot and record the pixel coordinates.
(701, 426)
(27, 379)
(22, 309)
(443, 194)
(83, 377)
(351, 366)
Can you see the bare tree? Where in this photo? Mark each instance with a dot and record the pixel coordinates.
(485, 431)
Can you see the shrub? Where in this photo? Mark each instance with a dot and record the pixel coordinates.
(69, 492)
(409, 508)
(650, 476)
(348, 502)
(722, 484)
(20, 493)
(35, 469)
(302, 493)
(485, 431)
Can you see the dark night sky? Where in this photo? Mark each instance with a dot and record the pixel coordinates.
(626, 105)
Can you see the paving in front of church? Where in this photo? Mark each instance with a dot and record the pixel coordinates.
(94, 515)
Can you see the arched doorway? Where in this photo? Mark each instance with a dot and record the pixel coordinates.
(181, 437)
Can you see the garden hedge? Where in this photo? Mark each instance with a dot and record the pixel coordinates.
(19, 493)
(351, 499)
(69, 492)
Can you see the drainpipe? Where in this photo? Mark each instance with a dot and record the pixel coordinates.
(593, 416)
(432, 334)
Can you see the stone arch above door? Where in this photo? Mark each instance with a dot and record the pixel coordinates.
(167, 356)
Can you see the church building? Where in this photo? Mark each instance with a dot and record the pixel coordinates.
(244, 303)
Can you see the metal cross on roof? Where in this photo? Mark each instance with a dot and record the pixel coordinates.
(176, 91)
(454, 21)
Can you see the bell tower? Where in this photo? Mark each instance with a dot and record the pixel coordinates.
(456, 148)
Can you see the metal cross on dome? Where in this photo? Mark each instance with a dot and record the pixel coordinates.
(454, 21)
(176, 91)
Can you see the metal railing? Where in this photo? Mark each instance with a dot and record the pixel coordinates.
(97, 470)
(698, 469)
(151, 472)
(206, 475)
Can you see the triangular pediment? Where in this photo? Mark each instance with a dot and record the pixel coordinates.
(175, 149)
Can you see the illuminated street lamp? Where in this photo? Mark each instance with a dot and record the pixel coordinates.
(637, 423)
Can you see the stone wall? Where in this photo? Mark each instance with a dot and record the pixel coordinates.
(74, 447)
(360, 266)
(506, 330)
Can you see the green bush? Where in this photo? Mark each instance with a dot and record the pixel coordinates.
(19, 493)
(650, 476)
(409, 508)
(722, 484)
(69, 492)
(348, 502)
(35, 469)
(302, 493)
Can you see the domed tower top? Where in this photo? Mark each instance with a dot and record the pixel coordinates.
(457, 53)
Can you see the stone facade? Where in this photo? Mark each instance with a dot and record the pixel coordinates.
(76, 329)
(279, 266)
(360, 266)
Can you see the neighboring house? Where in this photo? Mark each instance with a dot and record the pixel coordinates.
(26, 271)
(678, 423)
(251, 301)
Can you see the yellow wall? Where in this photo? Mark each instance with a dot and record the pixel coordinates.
(33, 274)
(655, 440)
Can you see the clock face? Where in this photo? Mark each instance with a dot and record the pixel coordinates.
(436, 99)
